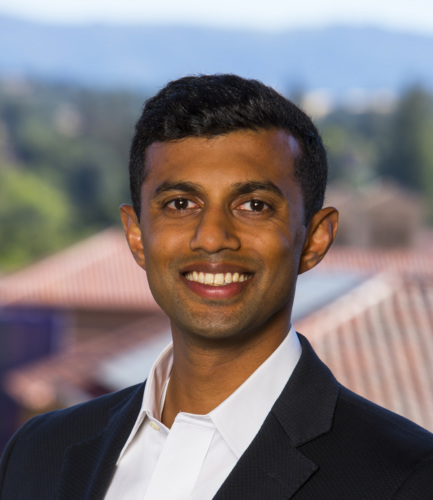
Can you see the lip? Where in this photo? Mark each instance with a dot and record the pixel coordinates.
(212, 291)
(216, 292)
(215, 268)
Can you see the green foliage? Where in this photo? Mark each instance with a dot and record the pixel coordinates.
(75, 143)
(408, 154)
(396, 145)
(32, 213)
(354, 143)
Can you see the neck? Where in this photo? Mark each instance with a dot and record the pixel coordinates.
(205, 374)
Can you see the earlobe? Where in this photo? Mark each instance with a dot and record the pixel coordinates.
(321, 234)
(133, 233)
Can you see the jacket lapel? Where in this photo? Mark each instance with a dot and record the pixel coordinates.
(272, 466)
(89, 465)
(278, 473)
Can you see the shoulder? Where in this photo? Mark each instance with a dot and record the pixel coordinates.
(380, 425)
(358, 445)
(377, 450)
(42, 441)
(400, 449)
(352, 417)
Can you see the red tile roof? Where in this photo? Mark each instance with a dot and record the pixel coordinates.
(417, 261)
(378, 341)
(97, 273)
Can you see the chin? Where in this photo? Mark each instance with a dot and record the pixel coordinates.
(218, 331)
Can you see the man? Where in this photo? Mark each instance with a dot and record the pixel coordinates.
(227, 183)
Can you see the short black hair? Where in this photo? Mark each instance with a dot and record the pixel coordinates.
(211, 105)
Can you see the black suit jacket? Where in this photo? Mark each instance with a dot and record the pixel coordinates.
(320, 441)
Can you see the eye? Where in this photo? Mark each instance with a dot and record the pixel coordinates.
(181, 204)
(254, 206)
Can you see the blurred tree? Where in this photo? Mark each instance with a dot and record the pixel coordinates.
(34, 218)
(408, 154)
(71, 146)
(354, 144)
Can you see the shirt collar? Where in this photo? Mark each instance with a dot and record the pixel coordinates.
(154, 391)
(241, 415)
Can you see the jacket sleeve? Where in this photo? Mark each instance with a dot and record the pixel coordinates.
(5, 458)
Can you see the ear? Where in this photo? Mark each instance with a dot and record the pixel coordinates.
(321, 234)
(133, 233)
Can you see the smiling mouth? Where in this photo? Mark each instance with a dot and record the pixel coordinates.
(218, 279)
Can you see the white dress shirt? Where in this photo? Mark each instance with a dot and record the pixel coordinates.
(191, 460)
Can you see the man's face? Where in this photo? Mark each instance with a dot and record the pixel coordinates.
(222, 232)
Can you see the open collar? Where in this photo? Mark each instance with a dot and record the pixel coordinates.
(240, 416)
(271, 467)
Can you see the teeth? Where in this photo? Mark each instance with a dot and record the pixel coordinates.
(218, 279)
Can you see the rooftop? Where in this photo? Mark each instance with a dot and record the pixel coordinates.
(97, 273)
(378, 341)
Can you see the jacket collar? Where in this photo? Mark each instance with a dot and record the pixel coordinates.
(315, 391)
(303, 412)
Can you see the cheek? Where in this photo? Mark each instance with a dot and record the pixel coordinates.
(273, 244)
(299, 241)
(281, 252)
(162, 246)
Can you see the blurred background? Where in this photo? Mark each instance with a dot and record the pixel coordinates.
(76, 316)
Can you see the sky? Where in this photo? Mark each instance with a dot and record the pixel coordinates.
(402, 15)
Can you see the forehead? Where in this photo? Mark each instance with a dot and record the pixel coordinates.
(222, 159)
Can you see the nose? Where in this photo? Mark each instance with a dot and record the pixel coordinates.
(214, 232)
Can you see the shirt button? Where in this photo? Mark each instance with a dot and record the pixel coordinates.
(154, 425)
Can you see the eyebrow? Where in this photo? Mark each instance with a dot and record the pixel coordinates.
(251, 186)
(186, 187)
(238, 188)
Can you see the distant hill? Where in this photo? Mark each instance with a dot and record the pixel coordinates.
(143, 57)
